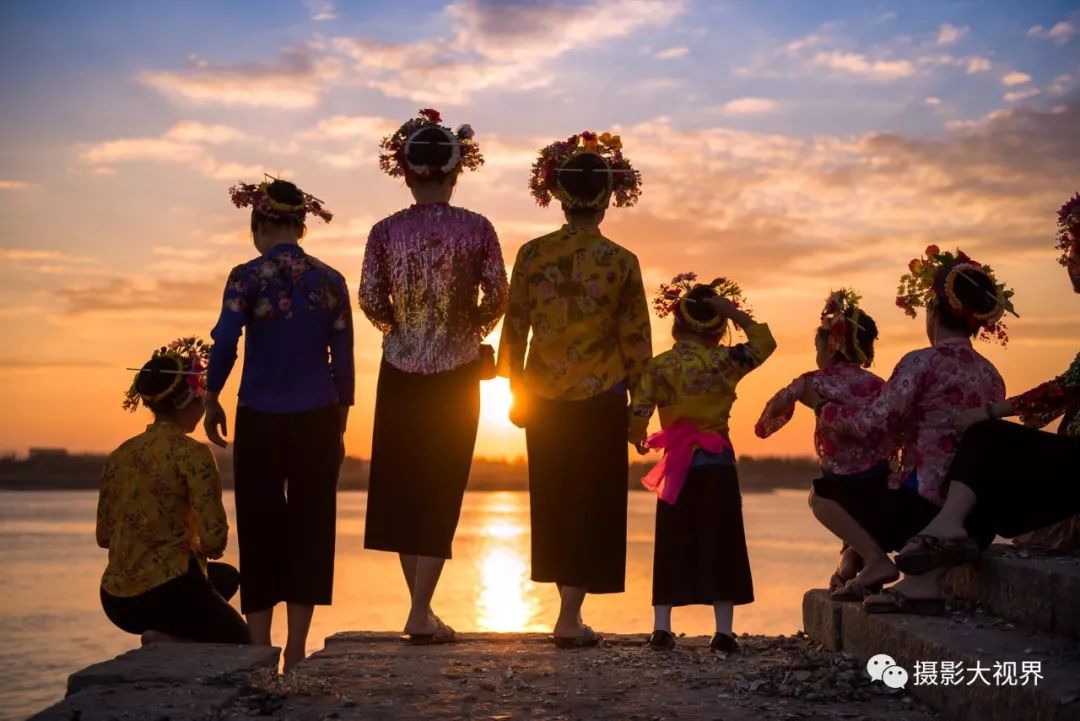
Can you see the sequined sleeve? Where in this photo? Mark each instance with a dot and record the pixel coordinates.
(196, 466)
(781, 407)
(104, 529)
(515, 332)
(375, 281)
(492, 283)
(1039, 406)
(635, 333)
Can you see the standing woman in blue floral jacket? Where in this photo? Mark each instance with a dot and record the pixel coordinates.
(294, 399)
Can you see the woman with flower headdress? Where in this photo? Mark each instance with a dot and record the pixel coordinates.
(700, 555)
(845, 350)
(294, 399)
(424, 270)
(995, 456)
(581, 296)
(917, 409)
(160, 513)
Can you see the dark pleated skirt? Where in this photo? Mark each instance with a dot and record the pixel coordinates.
(700, 555)
(578, 468)
(421, 452)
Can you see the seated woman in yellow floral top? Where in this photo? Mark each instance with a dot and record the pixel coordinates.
(160, 514)
(700, 555)
(581, 296)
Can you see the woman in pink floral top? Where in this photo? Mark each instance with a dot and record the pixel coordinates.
(425, 269)
(917, 410)
(845, 349)
(994, 456)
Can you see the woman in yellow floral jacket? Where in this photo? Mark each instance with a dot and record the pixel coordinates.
(160, 514)
(581, 296)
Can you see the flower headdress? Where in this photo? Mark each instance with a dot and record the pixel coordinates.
(1068, 227)
(674, 298)
(185, 365)
(933, 279)
(840, 320)
(247, 194)
(623, 181)
(464, 151)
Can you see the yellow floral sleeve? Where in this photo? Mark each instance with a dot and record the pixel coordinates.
(199, 470)
(515, 332)
(104, 530)
(635, 333)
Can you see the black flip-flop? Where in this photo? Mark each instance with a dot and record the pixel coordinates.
(930, 552)
(586, 639)
(893, 601)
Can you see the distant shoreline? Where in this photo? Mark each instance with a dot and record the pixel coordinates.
(57, 470)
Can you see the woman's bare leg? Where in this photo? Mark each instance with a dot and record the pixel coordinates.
(421, 619)
(259, 623)
(833, 516)
(299, 616)
(949, 522)
(569, 624)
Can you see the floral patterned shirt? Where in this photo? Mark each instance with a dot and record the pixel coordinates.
(917, 410)
(696, 382)
(298, 348)
(423, 270)
(159, 503)
(1058, 397)
(839, 453)
(582, 297)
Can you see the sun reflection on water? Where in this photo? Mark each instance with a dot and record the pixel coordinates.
(507, 599)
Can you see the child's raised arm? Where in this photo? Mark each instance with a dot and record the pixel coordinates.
(781, 407)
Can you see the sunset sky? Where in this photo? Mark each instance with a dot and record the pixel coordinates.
(794, 146)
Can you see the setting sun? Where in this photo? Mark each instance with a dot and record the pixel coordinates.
(495, 401)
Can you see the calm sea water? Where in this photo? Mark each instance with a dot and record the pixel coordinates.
(51, 623)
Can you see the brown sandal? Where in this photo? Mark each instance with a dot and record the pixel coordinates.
(929, 552)
(891, 600)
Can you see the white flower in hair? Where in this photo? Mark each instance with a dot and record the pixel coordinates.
(465, 132)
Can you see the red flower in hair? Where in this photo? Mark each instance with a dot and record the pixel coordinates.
(431, 115)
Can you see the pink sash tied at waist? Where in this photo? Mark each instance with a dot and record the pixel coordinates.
(678, 441)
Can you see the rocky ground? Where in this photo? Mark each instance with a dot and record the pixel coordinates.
(376, 676)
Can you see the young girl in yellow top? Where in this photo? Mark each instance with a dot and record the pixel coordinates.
(700, 554)
(160, 513)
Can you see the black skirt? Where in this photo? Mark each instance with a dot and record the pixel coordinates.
(700, 555)
(578, 469)
(192, 606)
(1023, 479)
(421, 452)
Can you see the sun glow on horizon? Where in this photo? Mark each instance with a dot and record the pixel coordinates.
(495, 402)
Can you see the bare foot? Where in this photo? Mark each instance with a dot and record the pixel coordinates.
(918, 587)
(571, 629)
(149, 637)
(292, 657)
(876, 573)
(424, 625)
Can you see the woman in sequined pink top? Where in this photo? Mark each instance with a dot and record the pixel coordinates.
(434, 283)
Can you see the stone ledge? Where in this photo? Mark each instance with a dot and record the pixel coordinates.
(181, 663)
(1041, 592)
(141, 702)
(822, 619)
